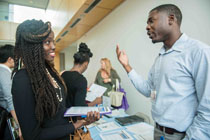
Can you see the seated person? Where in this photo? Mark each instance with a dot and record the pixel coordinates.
(76, 83)
(106, 76)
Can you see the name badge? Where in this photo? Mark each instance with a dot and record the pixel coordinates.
(153, 94)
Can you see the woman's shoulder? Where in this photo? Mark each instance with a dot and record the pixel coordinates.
(99, 72)
(69, 74)
(113, 71)
(73, 75)
(21, 74)
(21, 80)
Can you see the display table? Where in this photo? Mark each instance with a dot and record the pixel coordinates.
(108, 129)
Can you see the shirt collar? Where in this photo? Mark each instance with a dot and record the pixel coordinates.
(6, 67)
(177, 46)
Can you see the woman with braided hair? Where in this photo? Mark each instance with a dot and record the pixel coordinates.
(38, 90)
(75, 82)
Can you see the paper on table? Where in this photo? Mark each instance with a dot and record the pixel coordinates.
(138, 137)
(108, 126)
(144, 130)
(94, 92)
(118, 135)
(83, 110)
(101, 121)
(118, 113)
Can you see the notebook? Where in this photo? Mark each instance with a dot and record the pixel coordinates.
(83, 110)
(129, 120)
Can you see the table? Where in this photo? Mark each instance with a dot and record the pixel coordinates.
(138, 131)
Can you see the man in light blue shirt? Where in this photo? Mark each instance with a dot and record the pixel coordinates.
(6, 102)
(179, 80)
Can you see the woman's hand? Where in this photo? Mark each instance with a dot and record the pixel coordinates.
(98, 100)
(91, 117)
(107, 80)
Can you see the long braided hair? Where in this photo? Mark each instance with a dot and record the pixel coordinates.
(29, 50)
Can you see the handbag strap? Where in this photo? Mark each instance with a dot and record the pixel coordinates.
(117, 85)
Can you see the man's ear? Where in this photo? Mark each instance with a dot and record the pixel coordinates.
(10, 62)
(86, 63)
(10, 59)
(171, 19)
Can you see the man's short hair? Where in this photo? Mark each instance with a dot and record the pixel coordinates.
(6, 51)
(171, 9)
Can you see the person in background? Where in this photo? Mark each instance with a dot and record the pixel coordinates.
(106, 76)
(75, 82)
(178, 81)
(38, 90)
(6, 64)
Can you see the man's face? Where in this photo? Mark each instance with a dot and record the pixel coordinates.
(103, 65)
(158, 27)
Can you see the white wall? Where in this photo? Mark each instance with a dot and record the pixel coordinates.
(126, 26)
(69, 53)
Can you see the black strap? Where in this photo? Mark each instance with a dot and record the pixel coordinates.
(3, 121)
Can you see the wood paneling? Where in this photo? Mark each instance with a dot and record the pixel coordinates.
(94, 16)
(88, 21)
(109, 4)
(7, 30)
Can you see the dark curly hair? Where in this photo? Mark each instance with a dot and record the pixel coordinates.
(29, 50)
(83, 55)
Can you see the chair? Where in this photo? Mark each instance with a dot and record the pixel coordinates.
(144, 116)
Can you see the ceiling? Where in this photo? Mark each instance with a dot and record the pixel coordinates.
(89, 14)
(31, 3)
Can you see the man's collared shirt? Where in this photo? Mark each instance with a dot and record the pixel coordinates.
(181, 79)
(5, 88)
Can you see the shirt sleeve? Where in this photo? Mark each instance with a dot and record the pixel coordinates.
(6, 90)
(143, 86)
(201, 75)
(24, 103)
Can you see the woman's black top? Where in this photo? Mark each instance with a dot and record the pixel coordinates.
(56, 128)
(76, 85)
